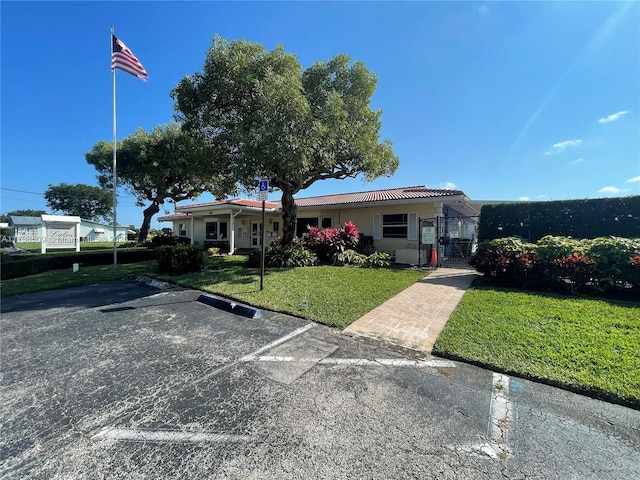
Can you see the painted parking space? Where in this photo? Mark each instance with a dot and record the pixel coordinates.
(127, 381)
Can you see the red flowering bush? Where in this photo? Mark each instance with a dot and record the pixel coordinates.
(326, 243)
(576, 269)
(635, 270)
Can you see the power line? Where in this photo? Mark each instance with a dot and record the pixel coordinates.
(36, 193)
(20, 191)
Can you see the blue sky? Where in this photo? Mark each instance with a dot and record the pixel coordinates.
(503, 100)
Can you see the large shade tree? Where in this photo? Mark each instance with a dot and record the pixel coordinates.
(267, 118)
(86, 201)
(166, 164)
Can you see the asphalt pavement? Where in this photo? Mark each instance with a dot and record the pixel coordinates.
(122, 380)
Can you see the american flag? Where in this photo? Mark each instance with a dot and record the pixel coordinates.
(123, 59)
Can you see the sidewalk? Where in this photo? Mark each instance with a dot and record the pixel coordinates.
(415, 317)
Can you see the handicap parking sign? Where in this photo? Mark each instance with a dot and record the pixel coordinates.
(264, 185)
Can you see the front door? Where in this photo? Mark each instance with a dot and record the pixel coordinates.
(256, 233)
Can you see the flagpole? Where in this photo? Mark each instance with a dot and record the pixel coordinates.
(115, 184)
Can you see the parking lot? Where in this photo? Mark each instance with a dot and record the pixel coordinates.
(123, 380)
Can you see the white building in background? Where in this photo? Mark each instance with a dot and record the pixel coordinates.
(30, 230)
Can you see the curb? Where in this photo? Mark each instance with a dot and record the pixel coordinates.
(154, 283)
(230, 306)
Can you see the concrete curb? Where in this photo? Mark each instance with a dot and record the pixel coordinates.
(230, 306)
(154, 283)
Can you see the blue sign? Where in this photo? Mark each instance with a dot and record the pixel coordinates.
(264, 185)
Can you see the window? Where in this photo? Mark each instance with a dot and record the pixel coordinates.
(396, 225)
(242, 233)
(216, 231)
(211, 230)
(303, 223)
(276, 226)
(182, 229)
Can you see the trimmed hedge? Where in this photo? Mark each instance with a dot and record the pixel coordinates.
(601, 265)
(15, 266)
(601, 217)
(180, 258)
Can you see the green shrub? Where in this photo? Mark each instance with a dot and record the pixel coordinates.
(179, 259)
(349, 258)
(599, 265)
(612, 256)
(276, 256)
(377, 260)
(166, 239)
(591, 218)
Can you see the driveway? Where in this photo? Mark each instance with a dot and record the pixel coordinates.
(122, 380)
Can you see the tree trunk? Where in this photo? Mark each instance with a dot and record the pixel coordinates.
(148, 212)
(289, 215)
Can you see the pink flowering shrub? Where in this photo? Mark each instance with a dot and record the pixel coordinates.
(326, 243)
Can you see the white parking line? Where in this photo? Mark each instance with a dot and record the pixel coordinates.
(295, 333)
(391, 362)
(169, 436)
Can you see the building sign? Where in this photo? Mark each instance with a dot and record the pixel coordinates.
(428, 235)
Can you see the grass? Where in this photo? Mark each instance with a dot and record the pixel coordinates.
(587, 345)
(335, 295)
(56, 279)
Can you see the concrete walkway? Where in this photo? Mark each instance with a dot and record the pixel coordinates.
(414, 318)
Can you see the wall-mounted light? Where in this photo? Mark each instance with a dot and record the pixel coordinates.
(270, 221)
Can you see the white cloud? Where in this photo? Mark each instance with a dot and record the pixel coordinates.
(577, 161)
(613, 117)
(541, 196)
(612, 190)
(633, 180)
(523, 199)
(448, 186)
(560, 146)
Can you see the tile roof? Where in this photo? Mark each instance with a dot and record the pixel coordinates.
(402, 193)
(241, 202)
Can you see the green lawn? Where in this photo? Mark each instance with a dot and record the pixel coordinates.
(584, 344)
(335, 295)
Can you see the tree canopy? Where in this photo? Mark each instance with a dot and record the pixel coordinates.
(92, 203)
(165, 164)
(264, 117)
(29, 212)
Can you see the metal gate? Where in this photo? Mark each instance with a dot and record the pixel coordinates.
(453, 239)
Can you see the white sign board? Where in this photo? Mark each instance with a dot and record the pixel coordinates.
(428, 235)
(262, 196)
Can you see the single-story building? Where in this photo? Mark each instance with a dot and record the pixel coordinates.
(393, 218)
(29, 230)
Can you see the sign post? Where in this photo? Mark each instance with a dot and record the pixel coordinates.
(264, 189)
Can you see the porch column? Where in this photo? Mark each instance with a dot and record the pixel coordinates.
(192, 232)
(232, 232)
(439, 213)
